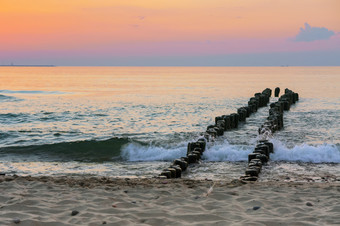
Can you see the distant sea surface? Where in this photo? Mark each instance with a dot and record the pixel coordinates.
(131, 121)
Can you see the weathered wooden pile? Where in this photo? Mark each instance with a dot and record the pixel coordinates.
(228, 122)
(274, 122)
(222, 123)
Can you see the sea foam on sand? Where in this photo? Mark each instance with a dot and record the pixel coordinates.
(138, 201)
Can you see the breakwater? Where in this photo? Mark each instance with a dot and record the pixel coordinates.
(274, 122)
(223, 123)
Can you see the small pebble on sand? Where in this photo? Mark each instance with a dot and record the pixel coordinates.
(74, 212)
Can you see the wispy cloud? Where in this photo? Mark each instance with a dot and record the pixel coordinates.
(309, 34)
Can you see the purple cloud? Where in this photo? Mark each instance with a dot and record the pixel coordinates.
(309, 34)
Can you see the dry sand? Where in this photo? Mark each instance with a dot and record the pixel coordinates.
(119, 201)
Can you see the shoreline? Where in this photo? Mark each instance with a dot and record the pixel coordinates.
(66, 200)
(100, 181)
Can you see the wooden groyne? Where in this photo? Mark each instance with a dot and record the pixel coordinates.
(223, 123)
(274, 122)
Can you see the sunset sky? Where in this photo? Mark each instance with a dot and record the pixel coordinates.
(174, 32)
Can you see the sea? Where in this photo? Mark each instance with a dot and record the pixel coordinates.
(134, 121)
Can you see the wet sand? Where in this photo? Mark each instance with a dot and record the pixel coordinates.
(142, 201)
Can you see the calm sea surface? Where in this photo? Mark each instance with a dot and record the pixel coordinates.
(131, 121)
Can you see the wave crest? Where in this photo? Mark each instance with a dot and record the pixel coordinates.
(84, 151)
(323, 153)
(138, 152)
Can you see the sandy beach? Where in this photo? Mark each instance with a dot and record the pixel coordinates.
(135, 201)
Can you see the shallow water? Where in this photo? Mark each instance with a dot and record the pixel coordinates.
(118, 121)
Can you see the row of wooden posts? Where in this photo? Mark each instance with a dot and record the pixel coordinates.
(222, 123)
(274, 122)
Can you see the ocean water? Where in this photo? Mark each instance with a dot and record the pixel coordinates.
(133, 121)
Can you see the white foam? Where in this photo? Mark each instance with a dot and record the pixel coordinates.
(214, 152)
(323, 153)
(227, 152)
(137, 152)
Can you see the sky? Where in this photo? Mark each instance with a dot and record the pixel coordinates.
(170, 32)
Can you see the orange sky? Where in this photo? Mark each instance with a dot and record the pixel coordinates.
(106, 25)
